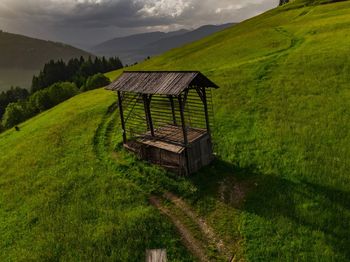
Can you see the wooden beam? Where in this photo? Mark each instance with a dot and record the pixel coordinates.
(144, 99)
(205, 102)
(183, 122)
(173, 109)
(185, 97)
(120, 103)
(200, 94)
(147, 103)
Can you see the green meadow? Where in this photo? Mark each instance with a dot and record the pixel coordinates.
(279, 189)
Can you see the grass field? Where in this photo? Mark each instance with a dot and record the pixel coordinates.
(62, 200)
(280, 186)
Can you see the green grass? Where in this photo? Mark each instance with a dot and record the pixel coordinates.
(282, 121)
(60, 200)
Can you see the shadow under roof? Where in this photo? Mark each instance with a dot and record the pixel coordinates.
(160, 82)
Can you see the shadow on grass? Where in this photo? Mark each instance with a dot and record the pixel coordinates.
(316, 207)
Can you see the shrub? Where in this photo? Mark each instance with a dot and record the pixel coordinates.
(14, 94)
(96, 81)
(49, 97)
(15, 113)
(39, 101)
(61, 91)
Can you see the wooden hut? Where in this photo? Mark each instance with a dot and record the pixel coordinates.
(166, 117)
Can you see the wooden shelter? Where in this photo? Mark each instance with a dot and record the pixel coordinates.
(166, 117)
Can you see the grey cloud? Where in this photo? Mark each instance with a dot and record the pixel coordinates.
(91, 21)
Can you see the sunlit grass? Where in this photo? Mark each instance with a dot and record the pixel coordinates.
(282, 121)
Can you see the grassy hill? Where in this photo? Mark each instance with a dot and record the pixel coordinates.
(21, 57)
(279, 190)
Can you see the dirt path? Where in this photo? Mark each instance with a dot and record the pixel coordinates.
(198, 247)
(191, 243)
(206, 230)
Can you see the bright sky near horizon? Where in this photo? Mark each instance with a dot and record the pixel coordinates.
(87, 22)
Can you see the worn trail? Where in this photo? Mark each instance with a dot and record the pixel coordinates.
(191, 242)
(181, 214)
(206, 230)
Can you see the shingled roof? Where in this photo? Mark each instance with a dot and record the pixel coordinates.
(160, 82)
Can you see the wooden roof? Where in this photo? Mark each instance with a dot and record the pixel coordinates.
(160, 82)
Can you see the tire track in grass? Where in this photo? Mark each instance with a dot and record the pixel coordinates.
(190, 241)
(206, 229)
(200, 239)
(102, 137)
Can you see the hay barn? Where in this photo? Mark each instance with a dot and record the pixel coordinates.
(166, 117)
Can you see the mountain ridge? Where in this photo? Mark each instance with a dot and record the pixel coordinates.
(136, 48)
(23, 56)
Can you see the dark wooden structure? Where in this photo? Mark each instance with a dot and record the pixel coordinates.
(166, 117)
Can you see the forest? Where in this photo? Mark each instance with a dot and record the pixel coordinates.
(55, 83)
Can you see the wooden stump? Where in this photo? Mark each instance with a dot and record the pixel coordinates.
(156, 255)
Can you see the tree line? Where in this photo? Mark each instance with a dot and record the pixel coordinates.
(76, 70)
(57, 82)
(282, 2)
(12, 95)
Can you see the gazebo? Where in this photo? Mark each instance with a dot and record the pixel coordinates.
(166, 117)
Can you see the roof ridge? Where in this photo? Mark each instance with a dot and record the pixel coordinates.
(162, 71)
(160, 82)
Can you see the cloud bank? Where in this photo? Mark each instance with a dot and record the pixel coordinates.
(85, 22)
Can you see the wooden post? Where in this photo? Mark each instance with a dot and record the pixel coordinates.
(156, 255)
(144, 99)
(205, 102)
(182, 108)
(173, 109)
(147, 103)
(120, 103)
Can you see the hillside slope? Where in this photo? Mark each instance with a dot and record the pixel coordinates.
(21, 57)
(61, 199)
(279, 190)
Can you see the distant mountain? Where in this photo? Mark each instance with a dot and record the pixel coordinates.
(133, 42)
(22, 56)
(176, 41)
(135, 48)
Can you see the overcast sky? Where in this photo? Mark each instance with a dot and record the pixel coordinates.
(87, 22)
